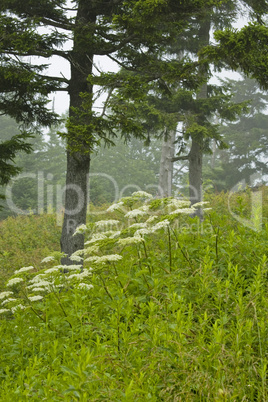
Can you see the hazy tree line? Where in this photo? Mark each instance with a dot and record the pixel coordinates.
(118, 170)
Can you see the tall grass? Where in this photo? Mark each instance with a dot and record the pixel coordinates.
(175, 312)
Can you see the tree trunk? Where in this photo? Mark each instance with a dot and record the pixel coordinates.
(166, 166)
(78, 153)
(196, 151)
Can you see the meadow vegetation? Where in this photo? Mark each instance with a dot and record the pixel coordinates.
(165, 308)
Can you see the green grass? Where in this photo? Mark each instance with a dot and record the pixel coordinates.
(181, 316)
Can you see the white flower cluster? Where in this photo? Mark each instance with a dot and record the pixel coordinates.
(186, 211)
(80, 230)
(178, 203)
(48, 259)
(104, 223)
(23, 269)
(115, 207)
(135, 213)
(85, 286)
(8, 301)
(35, 298)
(141, 194)
(105, 258)
(14, 281)
(5, 294)
(130, 240)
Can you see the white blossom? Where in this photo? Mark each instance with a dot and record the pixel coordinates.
(111, 234)
(134, 213)
(5, 294)
(82, 275)
(142, 232)
(69, 267)
(4, 310)
(39, 284)
(19, 306)
(51, 270)
(24, 269)
(85, 286)
(35, 298)
(151, 219)
(80, 229)
(161, 225)
(104, 258)
(92, 249)
(175, 202)
(8, 301)
(141, 194)
(115, 207)
(37, 289)
(207, 209)
(186, 211)
(48, 259)
(138, 225)
(95, 238)
(76, 258)
(37, 278)
(14, 281)
(130, 240)
(103, 223)
(200, 204)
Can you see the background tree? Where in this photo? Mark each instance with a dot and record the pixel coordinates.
(246, 138)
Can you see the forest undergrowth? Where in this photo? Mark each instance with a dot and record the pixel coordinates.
(158, 306)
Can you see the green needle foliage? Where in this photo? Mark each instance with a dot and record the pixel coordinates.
(165, 309)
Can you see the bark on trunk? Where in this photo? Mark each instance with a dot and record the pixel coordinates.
(196, 151)
(166, 166)
(78, 161)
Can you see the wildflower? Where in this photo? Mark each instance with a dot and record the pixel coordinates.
(175, 202)
(130, 240)
(85, 286)
(76, 258)
(115, 207)
(142, 232)
(48, 259)
(183, 211)
(82, 275)
(103, 223)
(141, 194)
(8, 301)
(78, 252)
(80, 229)
(5, 294)
(111, 234)
(151, 219)
(69, 267)
(161, 225)
(24, 269)
(138, 225)
(95, 238)
(51, 270)
(35, 298)
(14, 281)
(92, 249)
(19, 306)
(105, 258)
(207, 209)
(3, 310)
(40, 284)
(200, 204)
(37, 278)
(37, 289)
(134, 213)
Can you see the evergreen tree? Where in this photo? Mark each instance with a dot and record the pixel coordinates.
(246, 138)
